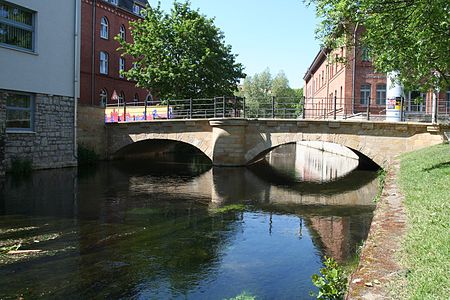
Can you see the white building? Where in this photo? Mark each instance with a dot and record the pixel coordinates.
(39, 81)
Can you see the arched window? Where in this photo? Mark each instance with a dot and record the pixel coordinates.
(121, 97)
(122, 32)
(103, 98)
(365, 54)
(365, 93)
(149, 99)
(104, 28)
(103, 62)
(121, 66)
(448, 101)
(381, 94)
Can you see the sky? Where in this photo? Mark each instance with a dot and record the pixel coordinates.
(274, 34)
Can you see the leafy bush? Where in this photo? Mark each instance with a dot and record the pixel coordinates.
(87, 156)
(332, 282)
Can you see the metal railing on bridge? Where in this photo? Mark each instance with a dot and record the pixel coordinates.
(270, 107)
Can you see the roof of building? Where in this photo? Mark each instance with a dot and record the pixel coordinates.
(128, 4)
(320, 57)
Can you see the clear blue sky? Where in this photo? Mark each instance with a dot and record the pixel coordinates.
(278, 34)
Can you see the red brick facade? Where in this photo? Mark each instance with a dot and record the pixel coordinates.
(328, 77)
(91, 83)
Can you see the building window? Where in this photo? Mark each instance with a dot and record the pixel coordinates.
(138, 10)
(103, 62)
(121, 97)
(121, 66)
(381, 94)
(113, 2)
(365, 55)
(19, 111)
(365, 94)
(16, 26)
(104, 28)
(122, 32)
(448, 101)
(103, 98)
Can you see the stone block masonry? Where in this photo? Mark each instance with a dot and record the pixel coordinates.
(50, 144)
(2, 136)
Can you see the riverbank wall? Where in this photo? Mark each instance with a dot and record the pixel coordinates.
(379, 264)
(91, 131)
(2, 137)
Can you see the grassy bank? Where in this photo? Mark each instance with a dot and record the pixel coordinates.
(425, 182)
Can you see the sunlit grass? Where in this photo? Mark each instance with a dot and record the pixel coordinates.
(425, 182)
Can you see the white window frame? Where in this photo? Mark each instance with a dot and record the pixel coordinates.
(364, 93)
(121, 66)
(30, 109)
(122, 32)
(137, 9)
(104, 58)
(103, 97)
(121, 97)
(448, 101)
(381, 94)
(104, 28)
(19, 25)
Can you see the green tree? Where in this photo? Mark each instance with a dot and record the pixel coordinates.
(410, 36)
(259, 89)
(181, 54)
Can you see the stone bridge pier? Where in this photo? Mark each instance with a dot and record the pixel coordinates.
(238, 142)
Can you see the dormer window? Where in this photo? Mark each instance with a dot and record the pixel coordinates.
(113, 2)
(137, 9)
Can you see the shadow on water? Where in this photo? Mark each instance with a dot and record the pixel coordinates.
(146, 229)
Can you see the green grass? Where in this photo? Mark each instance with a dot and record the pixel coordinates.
(425, 182)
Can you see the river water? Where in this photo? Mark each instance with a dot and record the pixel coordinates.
(160, 230)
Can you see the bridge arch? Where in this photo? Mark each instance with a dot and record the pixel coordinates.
(194, 133)
(148, 148)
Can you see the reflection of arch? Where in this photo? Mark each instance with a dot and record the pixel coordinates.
(103, 97)
(367, 156)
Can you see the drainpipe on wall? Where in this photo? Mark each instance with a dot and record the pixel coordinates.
(76, 80)
(354, 68)
(94, 7)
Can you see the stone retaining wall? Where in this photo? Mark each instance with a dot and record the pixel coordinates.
(51, 142)
(2, 136)
(91, 132)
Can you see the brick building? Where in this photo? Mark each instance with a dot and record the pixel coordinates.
(101, 21)
(355, 84)
(348, 75)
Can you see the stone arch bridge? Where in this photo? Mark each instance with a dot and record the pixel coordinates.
(238, 142)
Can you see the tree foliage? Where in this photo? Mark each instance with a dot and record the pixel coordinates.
(181, 54)
(259, 89)
(411, 36)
